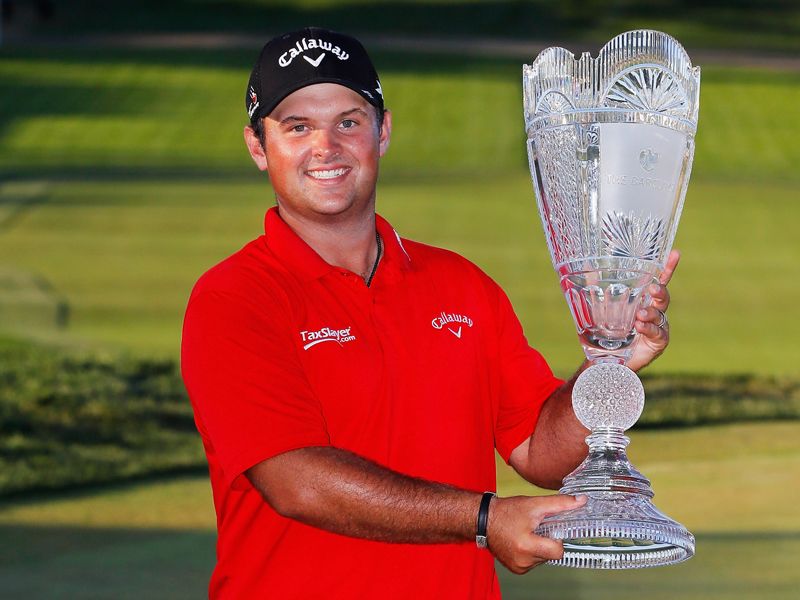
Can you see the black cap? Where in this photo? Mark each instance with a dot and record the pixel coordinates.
(312, 55)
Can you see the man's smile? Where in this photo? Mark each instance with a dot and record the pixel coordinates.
(326, 174)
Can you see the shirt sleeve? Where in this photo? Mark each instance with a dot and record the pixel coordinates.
(525, 380)
(248, 389)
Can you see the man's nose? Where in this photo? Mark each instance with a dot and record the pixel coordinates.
(326, 144)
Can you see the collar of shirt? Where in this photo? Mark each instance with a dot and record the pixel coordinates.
(304, 261)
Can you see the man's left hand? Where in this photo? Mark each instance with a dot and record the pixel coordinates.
(651, 322)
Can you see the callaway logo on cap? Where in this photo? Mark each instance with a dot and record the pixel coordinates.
(311, 55)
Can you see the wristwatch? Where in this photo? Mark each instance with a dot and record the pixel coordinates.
(483, 520)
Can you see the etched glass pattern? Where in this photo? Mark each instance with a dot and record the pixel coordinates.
(629, 236)
(637, 536)
(611, 143)
(608, 395)
(650, 89)
(562, 184)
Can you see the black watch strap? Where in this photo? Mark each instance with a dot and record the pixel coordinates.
(483, 520)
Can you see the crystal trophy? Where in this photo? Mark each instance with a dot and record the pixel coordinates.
(610, 147)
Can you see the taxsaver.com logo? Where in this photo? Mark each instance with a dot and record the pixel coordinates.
(326, 334)
(305, 45)
(453, 322)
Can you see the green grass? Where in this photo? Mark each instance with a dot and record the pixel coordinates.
(161, 113)
(73, 418)
(721, 479)
(733, 486)
(746, 567)
(183, 503)
(124, 191)
(70, 419)
(715, 479)
(126, 255)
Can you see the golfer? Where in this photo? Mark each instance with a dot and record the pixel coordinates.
(351, 386)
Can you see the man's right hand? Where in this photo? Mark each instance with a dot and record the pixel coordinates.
(512, 522)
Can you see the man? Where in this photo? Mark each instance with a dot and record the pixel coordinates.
(351, 386)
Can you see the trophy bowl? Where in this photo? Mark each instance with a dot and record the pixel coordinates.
(610, 148)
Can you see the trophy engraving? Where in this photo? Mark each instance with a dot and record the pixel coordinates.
(610, 147)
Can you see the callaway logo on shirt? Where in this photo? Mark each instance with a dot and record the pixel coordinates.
(452, 322)
(304, 45)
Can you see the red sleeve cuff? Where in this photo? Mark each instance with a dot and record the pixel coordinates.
(235, 472)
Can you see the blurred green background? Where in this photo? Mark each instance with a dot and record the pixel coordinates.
(123, 177)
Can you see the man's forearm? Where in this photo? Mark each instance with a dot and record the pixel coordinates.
(344, 493)
(341, 492)
(557, 445)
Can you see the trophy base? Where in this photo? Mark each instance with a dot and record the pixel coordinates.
(618, 527)
(618, 530)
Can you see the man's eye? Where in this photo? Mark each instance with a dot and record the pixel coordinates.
(299, 128)
(348, 123)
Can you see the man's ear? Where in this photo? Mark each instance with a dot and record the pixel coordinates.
(255, 148)
(386, 132)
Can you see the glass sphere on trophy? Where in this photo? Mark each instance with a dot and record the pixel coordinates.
(610, 144)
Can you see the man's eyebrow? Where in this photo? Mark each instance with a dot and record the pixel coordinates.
(353, 110)
(292, 119)
(299, 119)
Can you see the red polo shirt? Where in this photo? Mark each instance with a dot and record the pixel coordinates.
(426, 372)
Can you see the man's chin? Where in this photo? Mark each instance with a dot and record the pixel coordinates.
(331, 209)
(341, 206)
(331, 213)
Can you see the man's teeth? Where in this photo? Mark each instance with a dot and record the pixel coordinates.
(329, 174)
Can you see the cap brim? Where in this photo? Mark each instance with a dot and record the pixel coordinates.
(266, 110)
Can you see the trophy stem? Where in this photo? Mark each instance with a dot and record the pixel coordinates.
(606, 468)
(604, 359)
